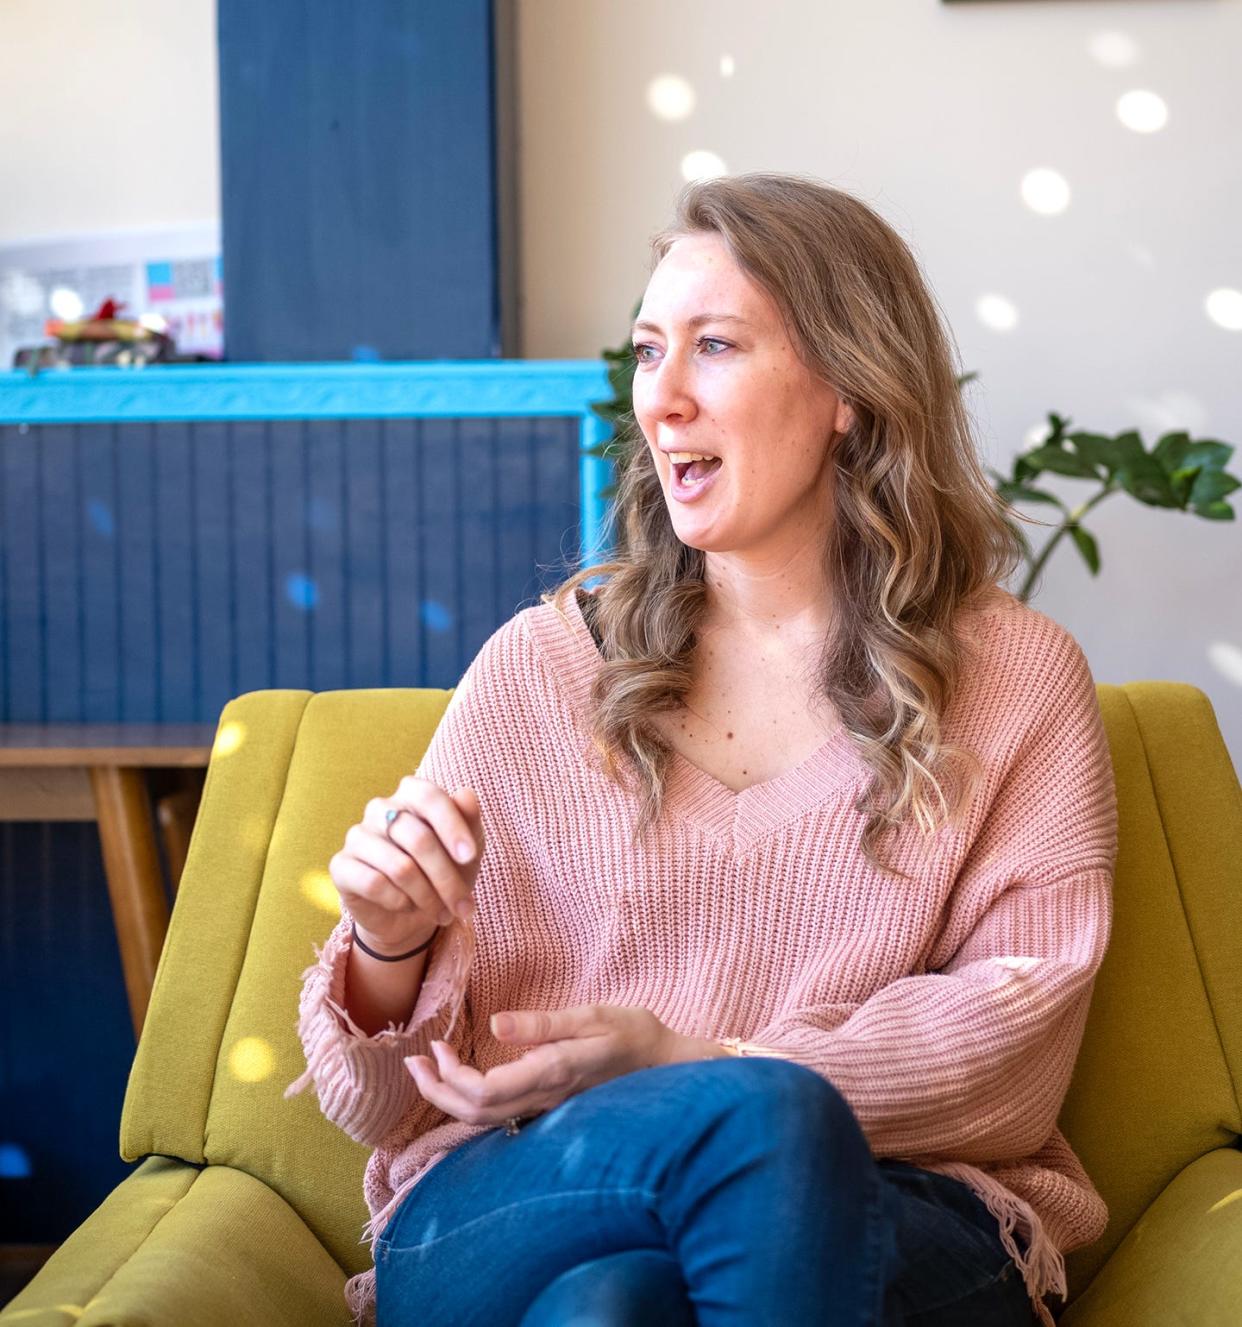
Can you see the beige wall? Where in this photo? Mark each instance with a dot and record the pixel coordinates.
(107, 116)
(933, 113)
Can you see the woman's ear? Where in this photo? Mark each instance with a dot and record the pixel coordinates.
(845, 418)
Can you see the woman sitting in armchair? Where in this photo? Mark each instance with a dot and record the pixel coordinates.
(726, 958)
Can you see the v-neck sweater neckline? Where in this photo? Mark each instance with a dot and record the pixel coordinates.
(736, 818)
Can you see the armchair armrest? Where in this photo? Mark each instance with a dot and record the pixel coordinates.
(176, 1244)
(1181, 1264)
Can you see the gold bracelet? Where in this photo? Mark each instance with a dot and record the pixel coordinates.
(740, 1046)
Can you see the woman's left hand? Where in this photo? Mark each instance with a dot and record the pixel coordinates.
(574, 1050)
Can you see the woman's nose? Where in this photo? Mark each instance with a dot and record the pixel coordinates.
(669, 391)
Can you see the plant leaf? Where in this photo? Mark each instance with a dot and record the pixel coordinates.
(1145, 480)
(1098, 450)
(1170, 451)
(1211, 455)
(1087, 547)
(1012, 492)
(1060, 462)
(1212, 484)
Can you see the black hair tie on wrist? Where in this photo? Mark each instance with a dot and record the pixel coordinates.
(391, 958)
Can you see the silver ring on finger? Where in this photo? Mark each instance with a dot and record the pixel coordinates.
(389, 816)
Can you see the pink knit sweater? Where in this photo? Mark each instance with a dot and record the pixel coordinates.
(948, 1010)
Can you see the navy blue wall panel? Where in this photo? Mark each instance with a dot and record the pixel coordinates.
(65, 1057)
(154, 571)
(359, 200)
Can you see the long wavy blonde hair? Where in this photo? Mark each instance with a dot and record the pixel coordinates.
(916, 531)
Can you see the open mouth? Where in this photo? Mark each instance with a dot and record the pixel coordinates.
(694, 472)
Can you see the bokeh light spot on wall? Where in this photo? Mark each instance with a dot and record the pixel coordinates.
(1037, 435)
(251, 1060)
(435, 616)
(726, 66)
(1224, 307)
(670, 97)
(301, 591)
(317, 888)
(14, 1162)
(996, 312)
(1144, 112)
(1226, 658)
(229, 737)
(1045, 191)
(66, 303)
(1113, 49)
(99, 514)
(702, 165)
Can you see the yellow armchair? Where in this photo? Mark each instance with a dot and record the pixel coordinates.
(248, 1208)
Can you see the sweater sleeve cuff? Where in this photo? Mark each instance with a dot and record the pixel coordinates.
(326, 1028)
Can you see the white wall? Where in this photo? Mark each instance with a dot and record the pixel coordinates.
(933, 113)
(108, 116)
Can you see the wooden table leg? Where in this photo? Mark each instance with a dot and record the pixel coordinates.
(135, 880)
(176, 811)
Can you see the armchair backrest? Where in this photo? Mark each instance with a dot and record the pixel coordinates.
(1156, 1085)
(290, 771)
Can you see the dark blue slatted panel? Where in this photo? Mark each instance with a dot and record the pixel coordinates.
(153, 571)
(176, 641)
(364, 571)
(101, 701)
(215, 563)
(24, 589)
(135, 457)
(403, 551)
(291, 589)
(441, 550)
(254, 600)
(60, 559)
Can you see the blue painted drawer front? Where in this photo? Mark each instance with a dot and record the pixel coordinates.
(151, 571)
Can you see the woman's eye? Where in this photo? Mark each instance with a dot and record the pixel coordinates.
(640, 356)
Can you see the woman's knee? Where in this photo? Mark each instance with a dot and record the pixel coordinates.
(636, 1285)
(778, 1092)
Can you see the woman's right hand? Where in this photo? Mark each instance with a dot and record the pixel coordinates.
(399, 889)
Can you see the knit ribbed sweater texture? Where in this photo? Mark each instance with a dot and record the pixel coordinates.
(947, 1009)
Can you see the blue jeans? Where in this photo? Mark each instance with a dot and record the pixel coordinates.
(738, 1191)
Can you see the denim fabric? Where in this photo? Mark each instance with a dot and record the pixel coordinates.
(738, 1191)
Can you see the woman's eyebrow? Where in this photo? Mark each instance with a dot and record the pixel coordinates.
(697, 321)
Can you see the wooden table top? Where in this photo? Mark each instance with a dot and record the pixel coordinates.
(141, 744)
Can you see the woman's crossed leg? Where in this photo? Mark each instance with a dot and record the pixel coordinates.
(736, 1191)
